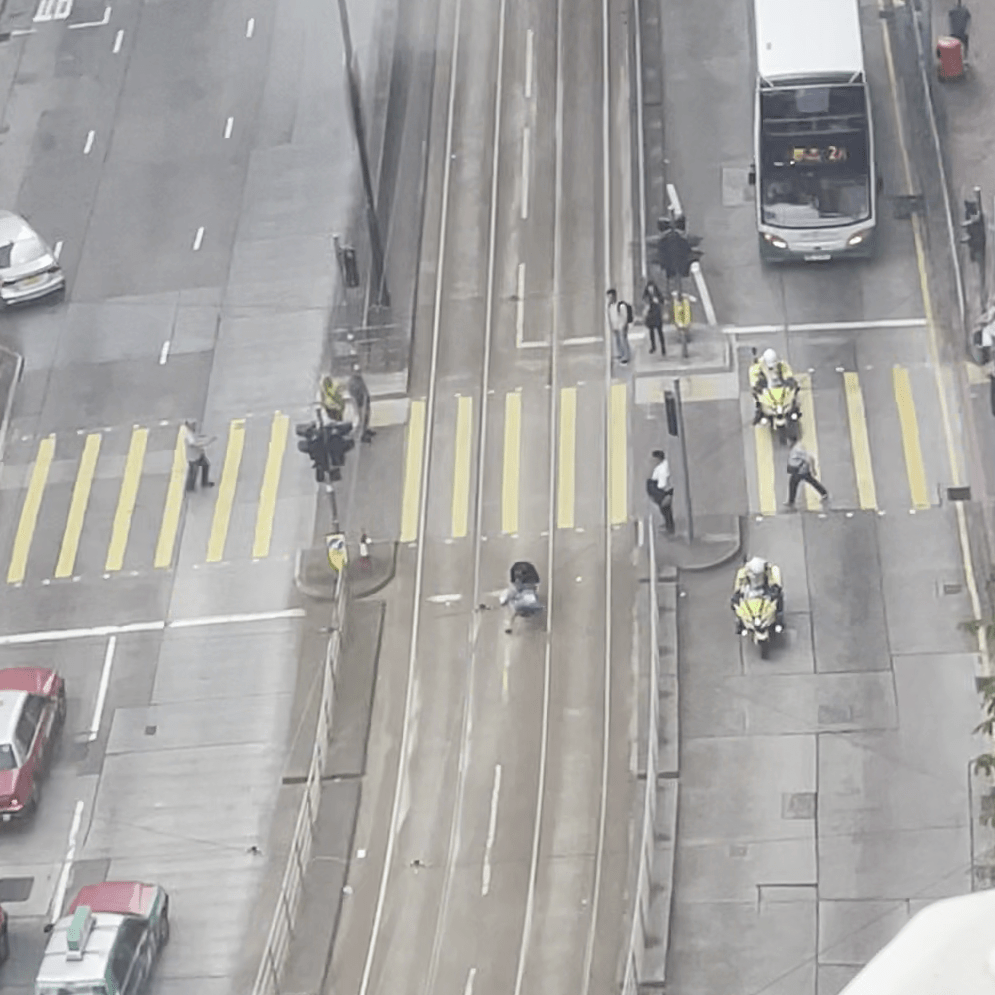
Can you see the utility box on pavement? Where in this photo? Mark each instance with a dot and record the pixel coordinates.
(950, 53)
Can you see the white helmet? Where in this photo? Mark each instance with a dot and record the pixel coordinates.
(770, 358)
(756, 568)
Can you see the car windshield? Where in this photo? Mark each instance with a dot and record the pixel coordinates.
(7, 760)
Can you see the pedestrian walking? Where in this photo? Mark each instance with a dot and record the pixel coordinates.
(196, 447)
(361, 395)
(960, 23)
(661, 490)
(653, 316)
(801, 466)
(619, 319)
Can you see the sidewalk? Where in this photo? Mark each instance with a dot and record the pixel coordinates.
(965, 117)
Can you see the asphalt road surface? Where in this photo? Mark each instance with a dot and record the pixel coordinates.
(186, 161)
(490, 850)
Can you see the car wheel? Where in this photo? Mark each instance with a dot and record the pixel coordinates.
(32, 806)
(164, 929)
(4, 945)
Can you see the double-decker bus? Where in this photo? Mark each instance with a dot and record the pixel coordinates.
(814, 171)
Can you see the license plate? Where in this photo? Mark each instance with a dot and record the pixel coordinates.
(32, 281)
(818, 257)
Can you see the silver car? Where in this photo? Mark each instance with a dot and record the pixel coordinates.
(28, 267)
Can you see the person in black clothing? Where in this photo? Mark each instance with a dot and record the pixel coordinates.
(960, 21)
(653, 316)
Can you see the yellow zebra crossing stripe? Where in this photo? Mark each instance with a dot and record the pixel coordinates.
(512, 462)
(411, 494)
(266, 510)
(808, 436)
(866, 491)
(29, 511)
(226, 491)
(461, 467)
(910, 438)
(566, 472)
(126, 499)
(766, 484)
(166, 544)
(77, 506)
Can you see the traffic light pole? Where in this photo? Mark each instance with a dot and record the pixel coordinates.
(376, 246)
(682, 435)
(330, 491)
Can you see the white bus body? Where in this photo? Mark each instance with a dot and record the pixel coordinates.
(814, 167)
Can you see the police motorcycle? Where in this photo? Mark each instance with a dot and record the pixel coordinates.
(757, 603)
(777, 400)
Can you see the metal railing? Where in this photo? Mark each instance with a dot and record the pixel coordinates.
(288, 901)
(641, 927)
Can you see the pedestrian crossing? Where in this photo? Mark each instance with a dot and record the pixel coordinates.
(113, 500)
(865, 432)
(517, 464)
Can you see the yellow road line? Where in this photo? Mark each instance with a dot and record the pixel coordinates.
(808, 436)
(226, 491)
(566, 475)
(77, 506)
(29, 511)
(126, 499)
(461, 466)
(512, 462)
(266, 511)
(866, 492)
(412, 472)
(618, 464)
(910, 438)
(766, 482)
(174, 502)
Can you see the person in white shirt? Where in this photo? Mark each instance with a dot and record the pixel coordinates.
(661, 489)
(619, 319)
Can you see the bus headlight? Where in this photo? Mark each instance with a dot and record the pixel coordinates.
(776, 241)
(857, 239)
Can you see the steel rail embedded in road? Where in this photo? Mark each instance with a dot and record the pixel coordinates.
(404, 747)
(463, 765)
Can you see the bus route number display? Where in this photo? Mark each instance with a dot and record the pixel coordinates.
(814, 153)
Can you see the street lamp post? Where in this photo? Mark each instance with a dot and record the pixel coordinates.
(376, 246)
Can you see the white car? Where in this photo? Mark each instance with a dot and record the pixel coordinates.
(28, 267)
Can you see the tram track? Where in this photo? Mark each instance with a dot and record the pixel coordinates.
(558, 547)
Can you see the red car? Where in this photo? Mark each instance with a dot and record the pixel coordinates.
(32, 711)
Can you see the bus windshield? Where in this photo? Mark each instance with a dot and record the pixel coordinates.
(815, 170)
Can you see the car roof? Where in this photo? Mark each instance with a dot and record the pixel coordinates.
(11, 703)
(56, 968)
(31, 679)
(130, 898)
(13, 227)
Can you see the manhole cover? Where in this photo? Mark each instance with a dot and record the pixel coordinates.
(736, 189)
(833, 715)
(799, 805)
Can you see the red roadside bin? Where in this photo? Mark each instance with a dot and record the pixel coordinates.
(950, 53)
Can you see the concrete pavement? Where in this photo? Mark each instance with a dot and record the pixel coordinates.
(823, 793)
